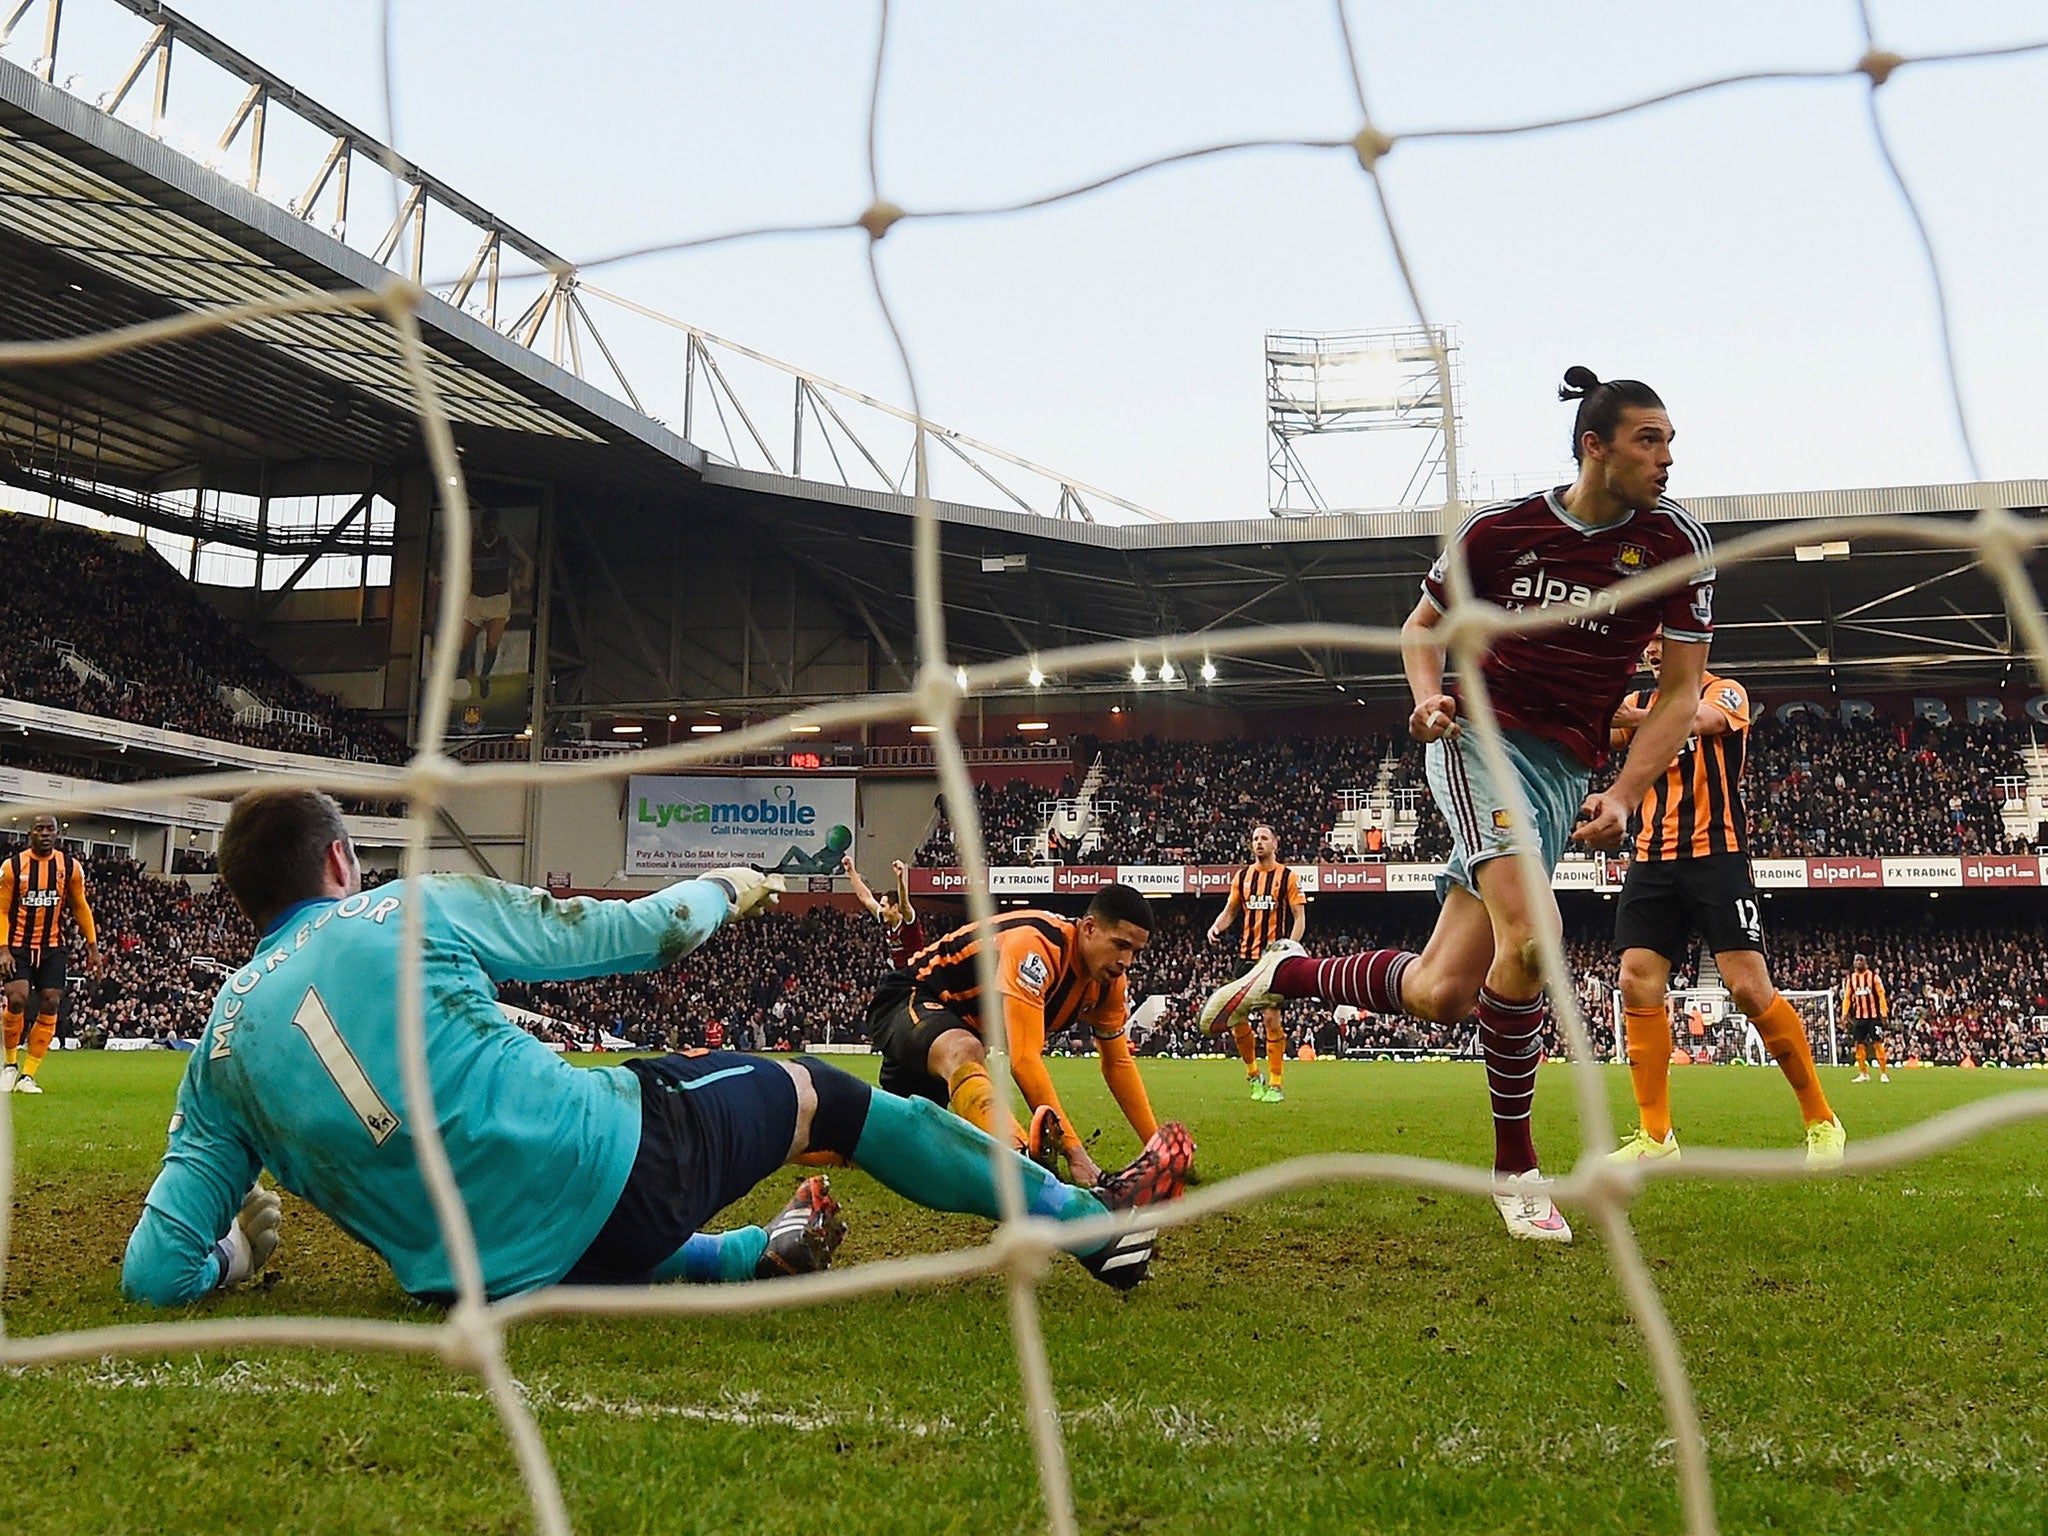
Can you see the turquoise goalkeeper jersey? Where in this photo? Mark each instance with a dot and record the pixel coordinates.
(298, 1072)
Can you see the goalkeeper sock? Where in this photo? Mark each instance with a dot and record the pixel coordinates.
(1649, 1067)
(1276, 1050)
(15, 1023)
(1784, 1036)
(924, 1154)
(972, 1097)
(39, 1040)
(712, 1258)
(1510, 1036)
(1369, 981)
(1248, 1048)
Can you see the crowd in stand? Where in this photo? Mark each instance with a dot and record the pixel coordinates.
(778, 982)
(1814, 787)
(1013, 823)
(788, 981)
(149, 650)
(1189, 802)
(1880, 787)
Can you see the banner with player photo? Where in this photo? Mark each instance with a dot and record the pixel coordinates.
(494, 660)
(680, 825)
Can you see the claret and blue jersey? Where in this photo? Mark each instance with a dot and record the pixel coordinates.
(298, 1071)
(1563, 683)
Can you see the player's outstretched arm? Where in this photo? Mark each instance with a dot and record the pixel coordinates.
(1120, 1071)
(185, 1244)
(901, 871)
(861, 891)
(520, 934)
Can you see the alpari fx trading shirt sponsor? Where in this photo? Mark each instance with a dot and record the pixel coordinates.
(1563, 684)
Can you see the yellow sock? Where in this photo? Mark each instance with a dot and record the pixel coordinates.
(1784, 1036)
(1247, 1048)
(1276, 1051)
(14, 1025)
(39, 1040)
(1649, 1067)
(1862, 1061)
(1883, 1061)
(972, 1096)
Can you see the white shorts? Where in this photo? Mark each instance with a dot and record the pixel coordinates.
(483, 610)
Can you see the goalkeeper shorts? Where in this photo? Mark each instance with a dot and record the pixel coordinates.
(712, 1126)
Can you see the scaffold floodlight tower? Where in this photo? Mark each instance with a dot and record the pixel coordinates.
(1321, 383)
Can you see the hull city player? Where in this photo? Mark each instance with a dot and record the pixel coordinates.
(1052, 972)
(1867, 1009)
(1266, 901)
(1554, 693)
(1690, 874)
(41, 888)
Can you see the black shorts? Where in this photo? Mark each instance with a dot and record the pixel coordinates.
(43, 969)
(903, 1026)
(1664, 902)
(712, 1126)
(1866, 1031)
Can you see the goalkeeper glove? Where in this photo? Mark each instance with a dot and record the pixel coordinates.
(747, 889)
(252, 1237)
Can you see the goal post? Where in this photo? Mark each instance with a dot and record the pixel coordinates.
(1820, 1010)
(1706, 1023)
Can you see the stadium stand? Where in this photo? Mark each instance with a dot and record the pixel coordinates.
(1815, 788)
(795, 980)
(114, 631)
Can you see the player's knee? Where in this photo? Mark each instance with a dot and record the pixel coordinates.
(842, 1111)
(1751, 998)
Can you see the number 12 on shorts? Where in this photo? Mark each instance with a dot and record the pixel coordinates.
(1749, 918)
(317, 1025)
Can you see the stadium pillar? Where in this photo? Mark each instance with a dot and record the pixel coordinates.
(413, 513)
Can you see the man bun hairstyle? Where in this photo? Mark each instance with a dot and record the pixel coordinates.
(273, 849)
(1121, 904)
(1601, 402)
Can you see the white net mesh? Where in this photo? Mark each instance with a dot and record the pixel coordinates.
(473, 1337)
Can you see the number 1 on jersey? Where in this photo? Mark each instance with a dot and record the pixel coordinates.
(317, 1025)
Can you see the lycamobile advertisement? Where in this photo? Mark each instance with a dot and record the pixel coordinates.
(678, 826)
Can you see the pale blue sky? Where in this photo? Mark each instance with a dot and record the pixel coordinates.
(1743, 252)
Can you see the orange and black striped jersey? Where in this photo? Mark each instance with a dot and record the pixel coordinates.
(1863, 996)
(1695, 811)
(1266, 902)
(36, 891)
(1037, 972)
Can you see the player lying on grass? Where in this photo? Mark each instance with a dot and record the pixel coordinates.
(927, 1017)
(1690, 874)
(591, 1176)
(1554, 693)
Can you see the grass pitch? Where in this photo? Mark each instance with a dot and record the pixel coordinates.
(1868, 1354)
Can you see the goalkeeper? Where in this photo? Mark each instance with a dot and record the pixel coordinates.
(588, 1176)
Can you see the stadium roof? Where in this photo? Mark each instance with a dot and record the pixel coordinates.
(103, 226)
(1884, 608)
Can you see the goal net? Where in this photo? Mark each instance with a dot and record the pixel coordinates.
(473, 1337)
